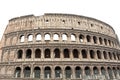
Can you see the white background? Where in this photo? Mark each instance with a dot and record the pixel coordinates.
(104, 10)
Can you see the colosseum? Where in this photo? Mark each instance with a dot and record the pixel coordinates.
(59, 47)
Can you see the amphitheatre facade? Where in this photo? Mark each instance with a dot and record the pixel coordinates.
(59, 47)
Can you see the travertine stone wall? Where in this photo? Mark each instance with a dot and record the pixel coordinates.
(59, 21)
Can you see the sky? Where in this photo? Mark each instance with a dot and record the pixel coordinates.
(107, 11)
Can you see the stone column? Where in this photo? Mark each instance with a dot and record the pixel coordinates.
(52, 54)
(22, 72)
(61, 54)
(33, 54)
(52, 72)
(88, 54)
(73, 72)
(42, 72)
(34, 38)
(32, 69)
(24, 54)
(63, 72)
(71, 54)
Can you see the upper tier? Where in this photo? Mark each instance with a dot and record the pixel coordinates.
(59, 21)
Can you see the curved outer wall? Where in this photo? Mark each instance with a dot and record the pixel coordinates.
(59, 46)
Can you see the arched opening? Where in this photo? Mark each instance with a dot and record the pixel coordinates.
(36, 72)
(47, 72)
(47, 53)
(22, 38)
(30, 37)
(114, 55)
(115, 72)
(81, 38)
(37, 53)
(110, 73)
(68, 72)
(84, 53)
(118, 56)
(99, 54)
(105, 55)
(100, 40)
(110, 55)
(19, 54)
(87, 71)
(64, 37)
(109, 42)
(95, 71)
(92, 54)
(105, 41)
(47, 37)
(27, 72)
(103, 71)
(95, 39)
(28, 53)
(57, 53)
(17, 72)
(78, 72)
(73, 37)
(88, 38)
(58, 72)
(56, 37)
(38, 37)
(66, 53)
(75, 53)
(118, 70)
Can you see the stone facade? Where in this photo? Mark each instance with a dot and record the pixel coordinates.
(59, 47)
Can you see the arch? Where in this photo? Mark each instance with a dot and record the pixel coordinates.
(99, 54)
(75, 53)
(37, 53)
(37, 72)
(110, 73)
(118, 70)
(95, 39)
(22, 38)
(38, 37)
(78, 72)
(55, 37)
(87, 71)
(47, 53)
(57, 53)
(73, 37)
(105, 41)
(84, 53)
(66, 53)
(109, 42)
(100, 40)
(114, 55)
(64, 37)
(115, 72)
(103, 71)
(88, 38)
(47, 37)
(17, 72)
(58, 72)
(110, 55)
(92, 54)
(27, 72)
(47, 72)
(30, 37)
(81, 38)
(28, 53)
(19, 54)
(68, 72)
(105, 54)
(95, 71)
